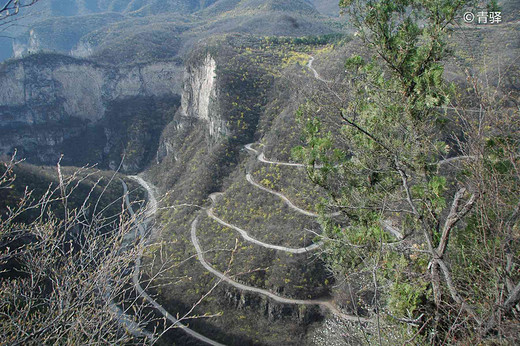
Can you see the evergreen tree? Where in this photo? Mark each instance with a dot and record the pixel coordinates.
(389, 173)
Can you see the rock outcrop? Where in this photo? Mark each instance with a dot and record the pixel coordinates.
(199, 103)
(200, 95)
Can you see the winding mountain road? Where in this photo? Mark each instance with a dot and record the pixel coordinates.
(262, 158)
(150, 211)
(457, 158)
(387, 225)
(122, 317)
(327, 304)
(250, 179)
(246, 235)
(129, 324)
(153, 208)
(316, 74)
(248, 238)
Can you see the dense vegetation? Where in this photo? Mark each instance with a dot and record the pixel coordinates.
(435, 161)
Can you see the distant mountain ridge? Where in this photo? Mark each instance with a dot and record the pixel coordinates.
(128, 31)
(58, 8)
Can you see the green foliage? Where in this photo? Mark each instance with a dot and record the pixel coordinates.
(407, 293)
(405, 298)
(392, 143)
(391, 122)
(411, 42)
(354, 61)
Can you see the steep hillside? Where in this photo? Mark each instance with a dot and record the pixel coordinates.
(134, 41)
(51, 25)
(56, 8)
(91, 186)
(253, 226)
(61, 35)
(210, 99)
(327, 7)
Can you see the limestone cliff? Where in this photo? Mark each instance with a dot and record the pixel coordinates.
(199, 103)
(200, 95)
(222, 99)
(52, 104)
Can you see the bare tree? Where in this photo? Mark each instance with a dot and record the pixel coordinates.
(66, 272)
(10, 11)
(71, 271)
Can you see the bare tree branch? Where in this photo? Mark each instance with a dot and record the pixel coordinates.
(453, 217)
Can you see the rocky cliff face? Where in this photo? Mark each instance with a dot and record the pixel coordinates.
(49, 101)
(200, 95)
(199, 103)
